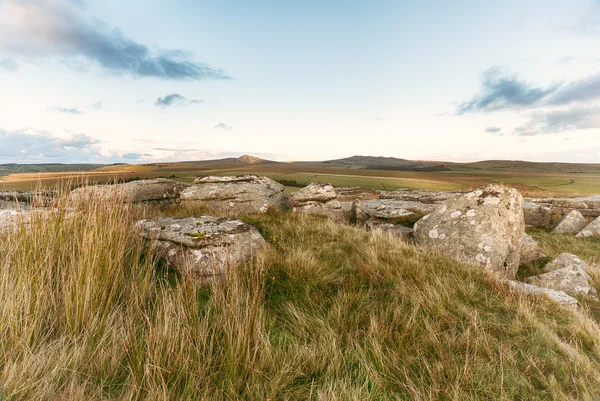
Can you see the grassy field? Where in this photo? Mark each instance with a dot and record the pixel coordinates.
(542, 182)
(331, 312)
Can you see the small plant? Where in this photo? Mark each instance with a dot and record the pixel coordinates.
(198, 236)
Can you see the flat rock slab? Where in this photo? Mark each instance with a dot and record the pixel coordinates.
(238, 194)
(557, 296)
(204, 246)
(591, 230)
(565, 273)
(484, 227)
(385, 209)
(140, 191)
(571, 223)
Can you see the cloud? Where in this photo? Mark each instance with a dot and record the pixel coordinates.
(29, 145)
(98, 105)
(223, 126)
(504, 92)
(67, 110)
(8, 65)
(583, 90)
(132, 156)
(556, 121)
(175, 99)
(60, 29)
(493, 130)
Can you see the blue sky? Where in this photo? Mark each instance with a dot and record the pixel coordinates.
(141, 81)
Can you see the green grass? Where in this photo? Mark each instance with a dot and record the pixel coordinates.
(331, 312)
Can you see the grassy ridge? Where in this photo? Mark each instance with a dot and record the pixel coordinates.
(329, 313)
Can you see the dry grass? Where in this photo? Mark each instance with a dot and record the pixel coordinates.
(329, 313)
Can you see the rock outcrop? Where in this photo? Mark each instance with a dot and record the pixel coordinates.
(239, 194)
(530, 250)
(157, 191)
(484, 227)
(571, 223)
(557, 296)
(591, 230)
(318, 198)
(200, 247)
(565, 273)
(588, 206)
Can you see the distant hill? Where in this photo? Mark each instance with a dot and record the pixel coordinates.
(391, 163)
(252, 159)
(14, 168)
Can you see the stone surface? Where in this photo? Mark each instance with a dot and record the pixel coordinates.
(484, 227)
(557, 296)
(319, 198)
(536, 215)
(565, 273)
(588, 206)
(395, 230)
(530, 250)
(23, 200)
(204, 246)
(159, 190)
(383, 209)
(571, 223)
(238, 194)
(591, 230)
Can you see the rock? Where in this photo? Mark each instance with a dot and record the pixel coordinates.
(565, 273)
(318, 198)
(395, 230)
(199, 247)
(530, 250)
(239, 194)
(315, 192)
(484, 227)
(591, 230)
(536, 215)
(420, 196)
(557, 296)
(571, 223)
(588, 206)
(24, 200)
(385, 210)
(155, 191)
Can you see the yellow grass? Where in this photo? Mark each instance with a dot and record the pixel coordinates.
(330, 312)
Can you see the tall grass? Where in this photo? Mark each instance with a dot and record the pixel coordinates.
(330, 312)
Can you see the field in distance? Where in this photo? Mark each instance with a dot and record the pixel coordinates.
(533, 179)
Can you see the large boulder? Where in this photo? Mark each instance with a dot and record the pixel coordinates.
(318, 198)
(557, 296)
(530, 250)
(591, 230)
(237, 194)
(157, 191)
(200, 247)
(571, 223)
(484, 227)
(565, 273)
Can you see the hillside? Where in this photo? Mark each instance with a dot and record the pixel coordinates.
(330, 313)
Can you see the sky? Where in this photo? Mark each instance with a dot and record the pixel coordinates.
(138, 81)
